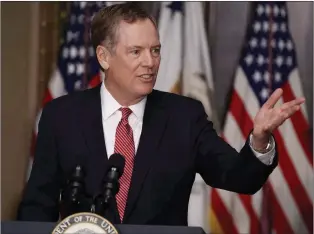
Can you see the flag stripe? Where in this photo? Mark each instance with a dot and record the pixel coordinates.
(284, 196)
(233, 133)
(242, 219)
(298, 158)
(223, 216)
(214, 224)
(47, 97)
(243, 89)
(95, 81)
(247, 201)
(290, 175)
(280, 221)
(56, 85)
(256, 203)
(240, 114)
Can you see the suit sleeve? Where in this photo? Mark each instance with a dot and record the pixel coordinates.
(220, 165)
(41, 195)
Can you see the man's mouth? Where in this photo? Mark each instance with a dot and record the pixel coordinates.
(147, 76)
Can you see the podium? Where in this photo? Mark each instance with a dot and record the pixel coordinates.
(16, 227)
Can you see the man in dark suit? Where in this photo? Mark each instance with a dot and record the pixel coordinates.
(166, 139)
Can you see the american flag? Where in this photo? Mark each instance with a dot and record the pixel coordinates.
(77, 66)
(268, 61)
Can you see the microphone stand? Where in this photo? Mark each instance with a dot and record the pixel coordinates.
(71, 197)
(110, 189)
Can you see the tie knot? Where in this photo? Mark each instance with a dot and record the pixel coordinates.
(125, 113)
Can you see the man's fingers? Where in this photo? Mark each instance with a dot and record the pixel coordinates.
(295, 102)
(278, 118)
(273, 99)
(287, 113)
(279, 115)
(292, 110)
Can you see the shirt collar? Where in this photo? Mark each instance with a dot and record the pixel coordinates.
(110, 105)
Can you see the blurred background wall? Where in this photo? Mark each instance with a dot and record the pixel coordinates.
(18, 53)
(29, 42)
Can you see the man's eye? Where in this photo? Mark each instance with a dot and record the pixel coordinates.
(156, 50)
(135, 52)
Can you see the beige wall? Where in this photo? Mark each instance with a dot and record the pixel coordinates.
(18, 92)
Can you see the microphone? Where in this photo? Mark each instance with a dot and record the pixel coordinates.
(72, 195)
(110, 183)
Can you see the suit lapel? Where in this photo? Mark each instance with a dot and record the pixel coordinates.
(91, 123)
(154, 123)
(90, 117)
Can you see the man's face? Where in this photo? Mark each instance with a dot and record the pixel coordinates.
(134, 65)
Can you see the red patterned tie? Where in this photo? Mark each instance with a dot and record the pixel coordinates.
(124, 144)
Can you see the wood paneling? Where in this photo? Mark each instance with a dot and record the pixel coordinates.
(16, 51)
(29, 45)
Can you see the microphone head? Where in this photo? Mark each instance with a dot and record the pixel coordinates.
(77, 176)
(117, 161)
(79, 170)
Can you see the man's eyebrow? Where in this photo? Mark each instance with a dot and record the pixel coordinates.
(134, 47)
(140, 47)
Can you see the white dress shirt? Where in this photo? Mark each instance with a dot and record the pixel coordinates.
(111, 117)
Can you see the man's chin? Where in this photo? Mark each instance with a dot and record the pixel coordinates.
(143, 91)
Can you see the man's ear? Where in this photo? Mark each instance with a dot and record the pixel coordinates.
(103, 57)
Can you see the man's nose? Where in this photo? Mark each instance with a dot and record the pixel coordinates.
(148, 60)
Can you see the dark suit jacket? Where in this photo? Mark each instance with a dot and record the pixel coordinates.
(177, 141)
